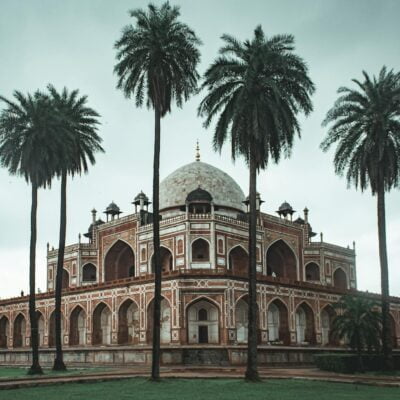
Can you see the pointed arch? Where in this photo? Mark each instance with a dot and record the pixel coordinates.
(328, 314)
(77, 326)
(19, 332)
(52, 328)
(101, 325)
(65, 279)
(165, 323)
(128, 322)
(305, 324)
(282, 260)
(167, 260)
(340, 279)
(312, 272)
(4, 332)
(41, 331)
(119, 261)
(89, 273)
(278, 322)
(238, 260)
(200, 250)
(202, 316)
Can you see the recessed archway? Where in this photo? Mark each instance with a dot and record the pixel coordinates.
(278, 322)
(165, 322)
(4, 331)
(239, 261)
(312, 272)
(52, 329)
(203, 322)
(200, 251)
(281, 261)
(166, 259)
(119, 262)
(77, 327)
(241, 319)
(65, 279)
(101, 332)
(40, 322)
(340, 279)
(128, 323)
(305, 326)
(89, 273)
(19, 335)
(328, 314)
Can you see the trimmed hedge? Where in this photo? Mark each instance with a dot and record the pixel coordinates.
(348, 363)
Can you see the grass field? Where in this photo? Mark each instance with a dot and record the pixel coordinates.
(6, 373)
(198, 389)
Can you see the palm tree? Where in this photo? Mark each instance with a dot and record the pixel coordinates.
(366, 126)
(256, 88)
(28, 148)
(157, 59)
(357, 322)
(80, 141)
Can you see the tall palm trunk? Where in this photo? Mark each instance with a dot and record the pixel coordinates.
(251, 371)
(155, 368)
(35, 368)
(58, 362)
(386, 335)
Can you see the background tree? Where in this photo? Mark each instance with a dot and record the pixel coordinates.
(77, 129)
(28, 148)
(256, 88)
(157, 60)
(359, 323)
(365, 124)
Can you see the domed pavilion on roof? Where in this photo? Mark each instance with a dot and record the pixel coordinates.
(108, 283)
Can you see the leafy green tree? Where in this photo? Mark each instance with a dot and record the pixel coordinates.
(77, 128)
(256, 89)
(358, 322)
(157, 60)
(28, 148)
(365, 124)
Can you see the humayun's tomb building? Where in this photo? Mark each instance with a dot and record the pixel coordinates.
(108, 283)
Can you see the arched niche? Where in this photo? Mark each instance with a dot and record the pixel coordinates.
(312, 272)
(52, 328)
(328, 314)
(200, 250)
(119, 262)
(281, 261)
(239, 261)
(4, 331)
(241, 320)
(166, 260)
(77, 327)
(128, 323)
(305, 326)
(340, 279)
(203, 322)
(41, 332)
(65, 279)
(101, 332)
(278, 322)
(89, 273)
(165, 322)
(19, 333)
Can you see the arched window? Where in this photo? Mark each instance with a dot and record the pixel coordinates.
(340, 279)
(118, 261)
(200, 250)
(65, 279)
(220, 246)
(166, 260)
(281, 261)
(89, 273)
(312, 272)
(4, 332)
(203, 315)
(239, 260)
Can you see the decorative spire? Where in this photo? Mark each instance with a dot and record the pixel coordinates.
(197, 151)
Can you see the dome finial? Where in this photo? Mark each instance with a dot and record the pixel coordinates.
(197, 151)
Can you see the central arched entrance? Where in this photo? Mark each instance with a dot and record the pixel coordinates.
(281, 261)
(203, 322)
(119, 262)
(101, 325)
(77, 327)
(128, 323)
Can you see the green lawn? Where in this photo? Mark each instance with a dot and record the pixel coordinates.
(22, 372)
(196, 389)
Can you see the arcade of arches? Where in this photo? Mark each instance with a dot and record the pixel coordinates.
(281, 261)
(119, 262)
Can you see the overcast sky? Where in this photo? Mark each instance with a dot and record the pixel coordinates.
(70, 43)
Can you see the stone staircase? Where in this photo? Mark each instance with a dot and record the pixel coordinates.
(205, 357)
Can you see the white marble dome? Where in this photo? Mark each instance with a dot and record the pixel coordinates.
(223, 189)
